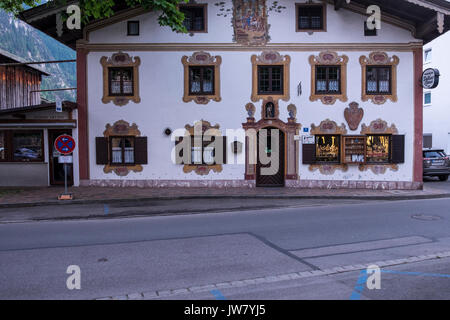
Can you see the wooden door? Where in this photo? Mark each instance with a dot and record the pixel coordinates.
(271, 174)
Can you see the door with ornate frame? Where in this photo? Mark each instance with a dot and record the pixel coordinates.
(270, 173)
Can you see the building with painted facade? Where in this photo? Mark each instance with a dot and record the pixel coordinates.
(341, 104)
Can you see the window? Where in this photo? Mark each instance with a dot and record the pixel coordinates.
(427, 98)
(201, 80)
(328, 79)
(21, 146)
(428, 55)
(133, 28)
(120, 81)
(194, 17)
(428, 141)
(270, 79)
(203, 154)
(311, 17)
(122, 150)
(369, 32)
(378, 149)
(378, 80)
(328, 148)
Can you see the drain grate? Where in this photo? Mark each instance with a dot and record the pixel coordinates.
(426, 217)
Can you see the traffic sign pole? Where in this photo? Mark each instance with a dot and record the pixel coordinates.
(65, 145)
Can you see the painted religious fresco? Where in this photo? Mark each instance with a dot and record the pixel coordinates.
(250, 22)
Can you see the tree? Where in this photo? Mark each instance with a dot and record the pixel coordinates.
(98, 9)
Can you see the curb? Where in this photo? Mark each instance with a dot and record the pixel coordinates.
(272, 278)
(204, 197)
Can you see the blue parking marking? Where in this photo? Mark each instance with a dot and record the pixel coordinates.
(218, 295)
(359, 287)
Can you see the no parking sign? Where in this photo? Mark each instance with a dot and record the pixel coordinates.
(65, 144)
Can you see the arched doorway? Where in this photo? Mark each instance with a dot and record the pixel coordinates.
(270, 166)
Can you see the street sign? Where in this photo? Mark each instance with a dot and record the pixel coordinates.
(430, 78)
(65, 144)
(58, 103)
(65, 159)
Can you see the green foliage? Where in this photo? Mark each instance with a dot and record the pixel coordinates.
(94, 9)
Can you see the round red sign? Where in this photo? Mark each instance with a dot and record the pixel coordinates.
(65, 144)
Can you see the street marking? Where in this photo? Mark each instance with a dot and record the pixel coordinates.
(218, 295)
(359, 287)
(294, 276)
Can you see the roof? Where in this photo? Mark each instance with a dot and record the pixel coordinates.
(18, 59)
(67, 106)
(419, 16)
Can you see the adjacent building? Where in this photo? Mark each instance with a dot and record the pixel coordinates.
(29, 127)
(297, 94)
(436, 103)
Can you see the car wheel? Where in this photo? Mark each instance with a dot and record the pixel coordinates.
(443, 178)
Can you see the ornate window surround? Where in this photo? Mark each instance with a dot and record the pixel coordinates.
(201, 58)
(378, 126)
(379, 59)
(120, 59)
(202, 169)
(329, 58)
(267, 58)
(328, 127)
(118, 129)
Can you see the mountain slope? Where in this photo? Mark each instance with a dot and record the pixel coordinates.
(24, 41)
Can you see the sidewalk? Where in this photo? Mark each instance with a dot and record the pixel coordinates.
(28, 197)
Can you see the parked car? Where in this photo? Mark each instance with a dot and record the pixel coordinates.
(436, 164)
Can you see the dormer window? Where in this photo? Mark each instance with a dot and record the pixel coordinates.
(310, 17)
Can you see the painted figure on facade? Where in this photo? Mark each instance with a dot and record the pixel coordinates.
(250, 22)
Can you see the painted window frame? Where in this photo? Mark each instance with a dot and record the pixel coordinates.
(324, 17)
(270, 58)
(329, 58)
(201, 58)
(381, 59)
(119, 60)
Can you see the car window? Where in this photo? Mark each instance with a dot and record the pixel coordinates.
(434, 154)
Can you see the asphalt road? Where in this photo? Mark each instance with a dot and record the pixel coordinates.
(150, 256)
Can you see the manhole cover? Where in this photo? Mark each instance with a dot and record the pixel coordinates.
(426, 217)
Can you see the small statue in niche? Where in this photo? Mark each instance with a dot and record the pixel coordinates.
(270, 110)
(250, 110)
(292, 110)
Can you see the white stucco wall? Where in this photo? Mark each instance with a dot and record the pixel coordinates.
(436, 117)
(161, 91)
(342, 26)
